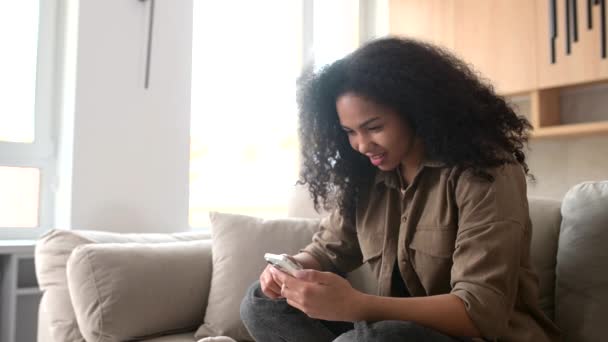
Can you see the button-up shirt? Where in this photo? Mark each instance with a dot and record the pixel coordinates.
(450, 231)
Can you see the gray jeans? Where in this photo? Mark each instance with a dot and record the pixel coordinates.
(273, 320)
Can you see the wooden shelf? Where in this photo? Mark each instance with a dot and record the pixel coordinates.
(558, 99)
(571, 130)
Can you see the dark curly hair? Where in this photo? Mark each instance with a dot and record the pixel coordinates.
(459, 118)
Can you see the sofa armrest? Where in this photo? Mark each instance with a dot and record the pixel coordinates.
(125, 291)
(52, 252)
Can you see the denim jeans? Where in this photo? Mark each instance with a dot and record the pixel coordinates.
(273, 320)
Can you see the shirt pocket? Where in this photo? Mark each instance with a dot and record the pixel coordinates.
(431, 254)
(370, 250)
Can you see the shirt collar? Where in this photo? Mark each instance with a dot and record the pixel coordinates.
(391, 178)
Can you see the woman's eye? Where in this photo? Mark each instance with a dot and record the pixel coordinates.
(375, 128)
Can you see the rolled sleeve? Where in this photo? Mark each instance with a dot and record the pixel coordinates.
(486, 260)
(485, 274)
(335, 245)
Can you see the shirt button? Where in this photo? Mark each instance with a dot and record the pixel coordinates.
(403, 218)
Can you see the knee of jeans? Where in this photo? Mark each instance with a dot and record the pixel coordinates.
(401, 328)
(348, 336)
(248, 307)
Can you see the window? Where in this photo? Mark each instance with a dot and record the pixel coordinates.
(246, 58)
(244, 155)
(335, 30)
(26, 148)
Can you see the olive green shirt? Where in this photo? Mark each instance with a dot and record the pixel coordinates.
(449, 232)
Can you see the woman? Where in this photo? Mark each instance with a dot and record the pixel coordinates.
(424, 168)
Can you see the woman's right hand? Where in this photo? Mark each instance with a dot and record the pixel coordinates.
(271, 287)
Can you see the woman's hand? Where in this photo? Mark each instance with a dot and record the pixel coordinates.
(270, 283)
(321, 295)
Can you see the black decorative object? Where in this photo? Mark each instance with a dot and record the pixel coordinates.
(603, 26)
(568, 27)
(589, 14)
(571, 9)
(574, 17)
(553, 27)
(149, 43)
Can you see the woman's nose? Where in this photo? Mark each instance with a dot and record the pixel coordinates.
(363, 144)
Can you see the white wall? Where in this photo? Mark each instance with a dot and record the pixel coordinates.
(560, 163)
(130, 146)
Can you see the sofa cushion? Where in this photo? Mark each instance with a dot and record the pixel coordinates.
(546, 219)
(239, 244)
(124, 291)
(582, 261)
(183, 337)
(52, 252)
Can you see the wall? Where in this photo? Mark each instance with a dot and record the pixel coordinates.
(560, 163)
(127, 148)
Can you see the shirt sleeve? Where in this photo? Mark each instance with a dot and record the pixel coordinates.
(493, 218)
(335, 245)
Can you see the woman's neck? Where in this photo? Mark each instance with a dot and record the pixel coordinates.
(410, 165)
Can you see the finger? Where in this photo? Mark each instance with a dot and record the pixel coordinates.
(274, 287)
(268, 285)
(292, 289)
(279, 276)
(315, 276)
(270, 277)
(271, 294)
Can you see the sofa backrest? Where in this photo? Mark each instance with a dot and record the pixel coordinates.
(546, 220)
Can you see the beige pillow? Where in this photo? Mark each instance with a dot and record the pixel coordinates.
(239, 244)
(124, 291)
(52, 252)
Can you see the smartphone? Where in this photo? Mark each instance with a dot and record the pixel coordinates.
(282, 262)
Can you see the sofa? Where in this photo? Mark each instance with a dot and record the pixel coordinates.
(186, 287)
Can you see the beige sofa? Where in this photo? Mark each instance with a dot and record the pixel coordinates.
(157, 285)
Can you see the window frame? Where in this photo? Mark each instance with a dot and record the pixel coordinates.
(40, 154)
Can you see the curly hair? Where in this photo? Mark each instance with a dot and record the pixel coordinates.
(459, 118)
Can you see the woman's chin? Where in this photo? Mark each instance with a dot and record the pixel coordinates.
(386, 167)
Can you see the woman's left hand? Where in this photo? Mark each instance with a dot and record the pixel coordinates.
(321, 295)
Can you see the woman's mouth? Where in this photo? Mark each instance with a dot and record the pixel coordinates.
(377, 159)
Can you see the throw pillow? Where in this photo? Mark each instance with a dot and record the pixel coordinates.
(581, 300)
(239, 244)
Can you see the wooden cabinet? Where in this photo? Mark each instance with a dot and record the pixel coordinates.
(495, 36)
(428, 20)
(508, 42)
(584, 64)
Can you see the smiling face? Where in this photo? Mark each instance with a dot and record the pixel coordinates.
(376, 131)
